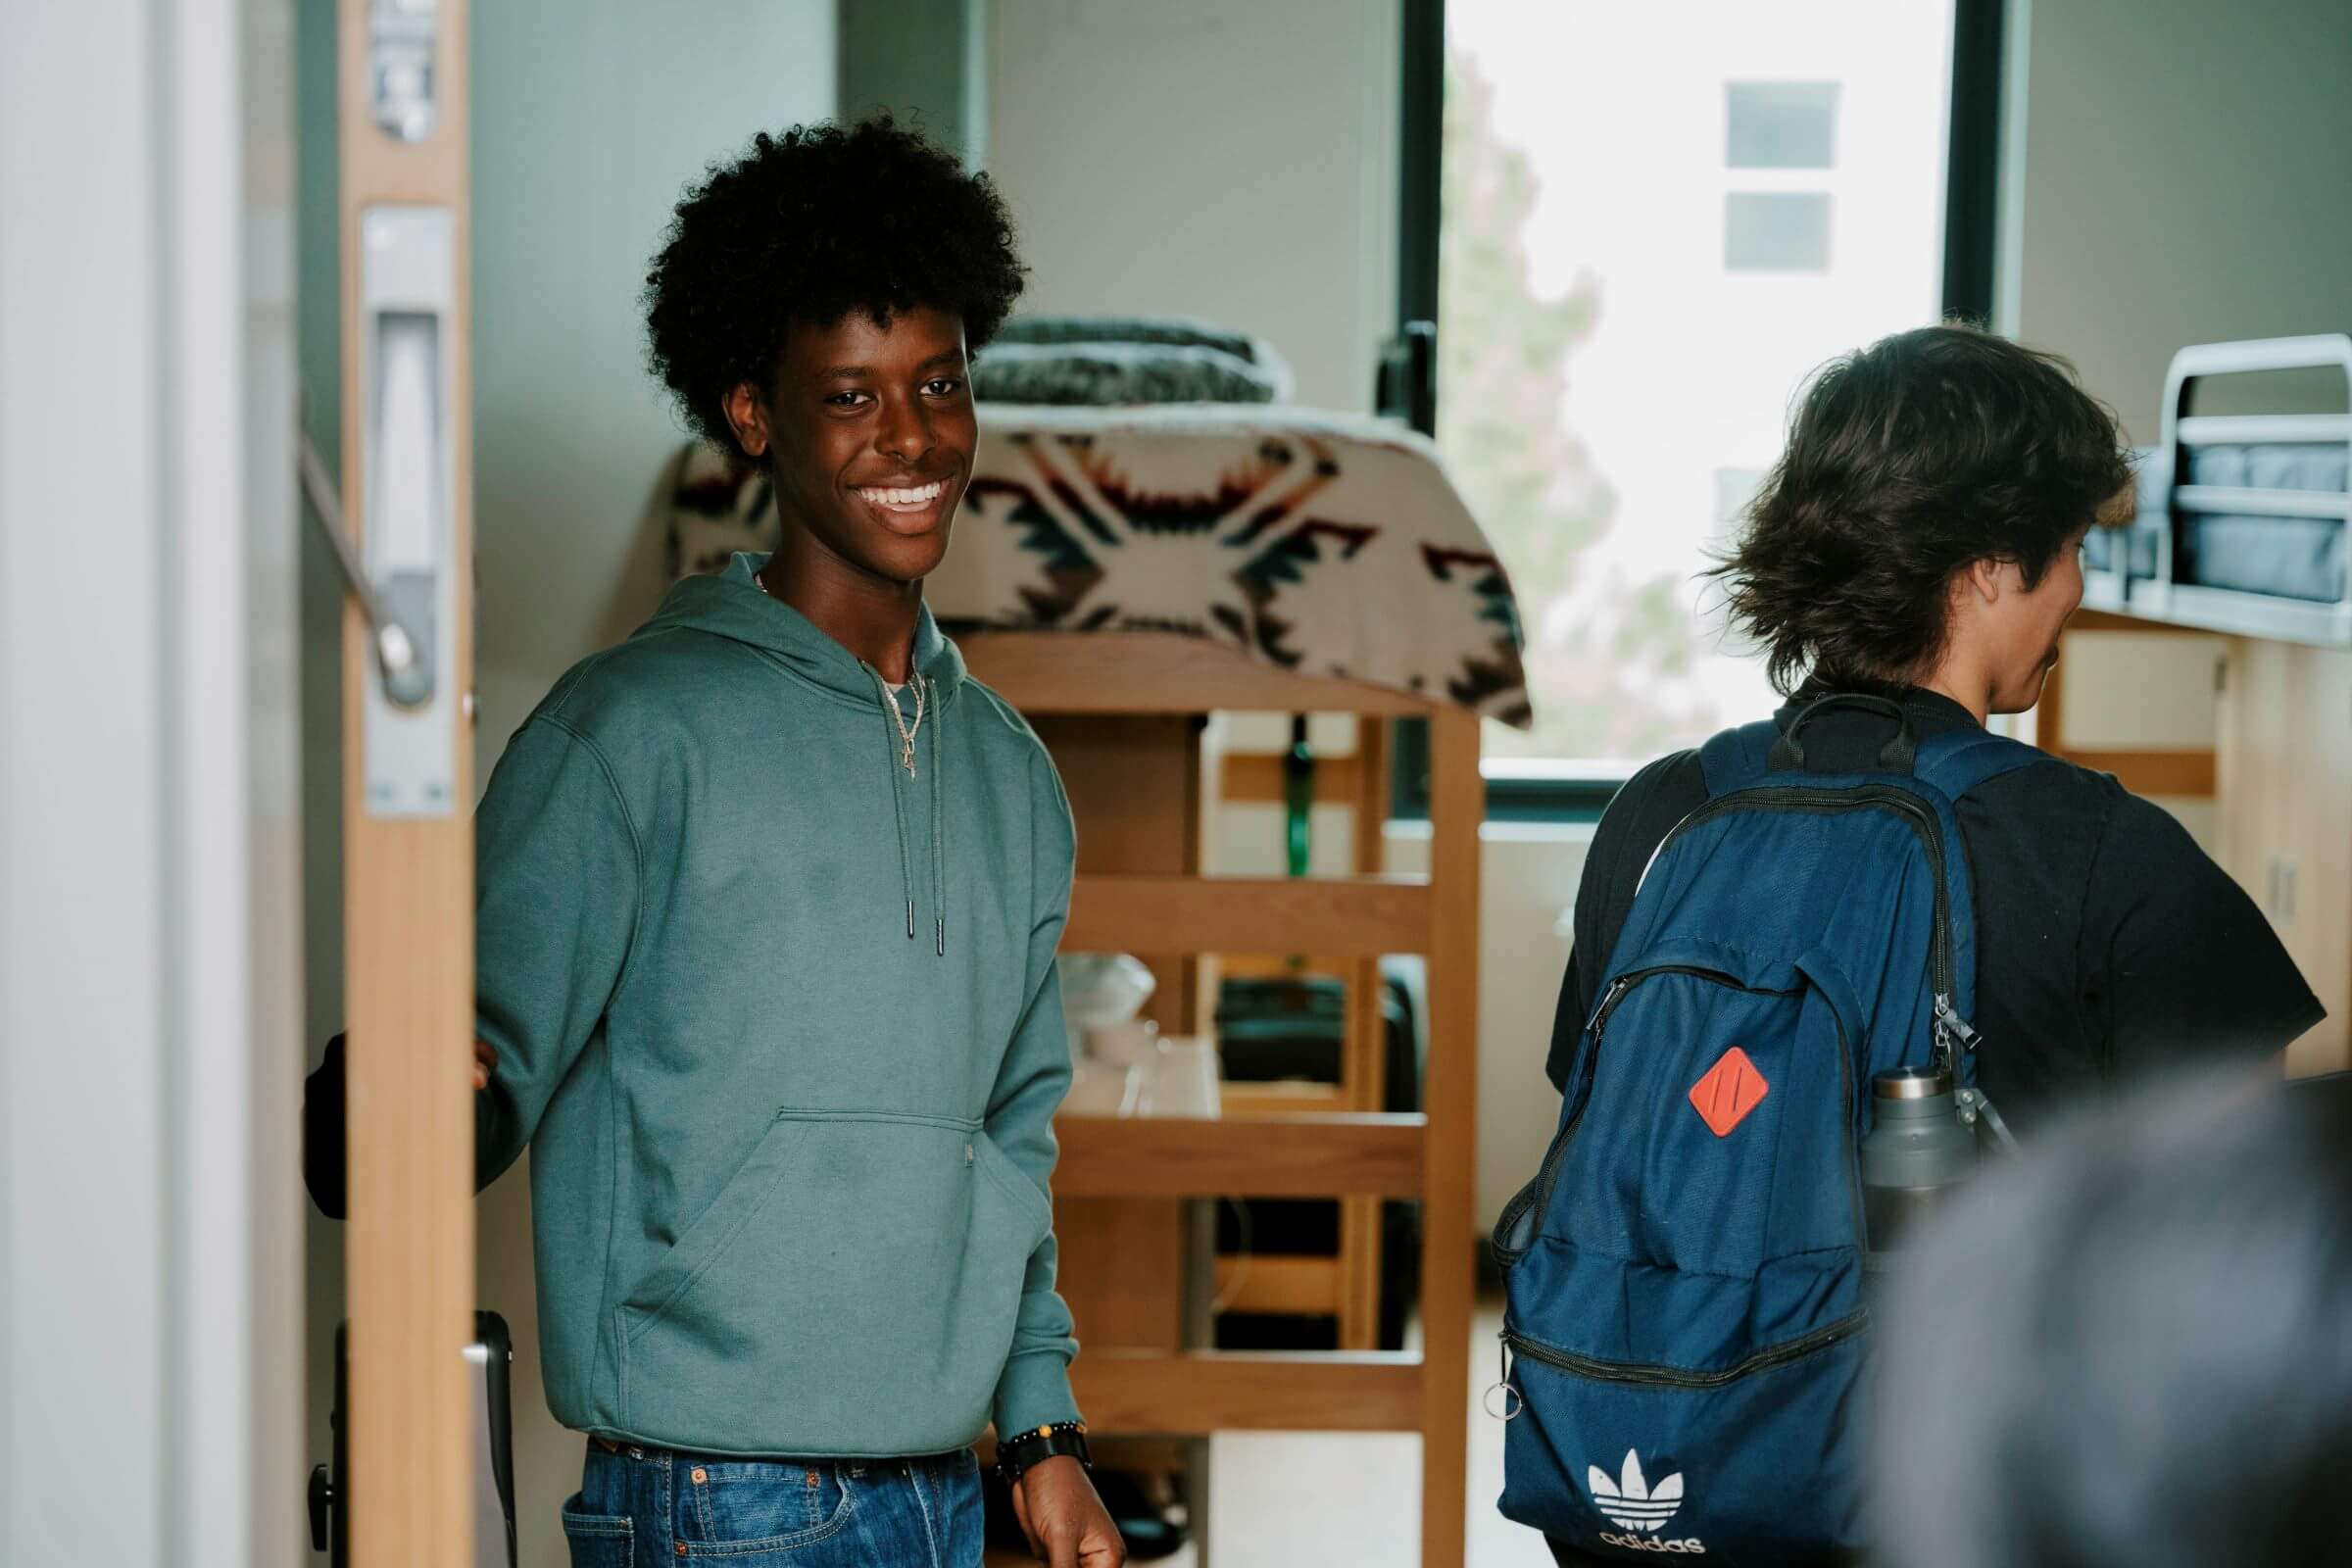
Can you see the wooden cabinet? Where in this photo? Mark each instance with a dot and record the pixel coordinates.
(2277, 782)
(2285, 773)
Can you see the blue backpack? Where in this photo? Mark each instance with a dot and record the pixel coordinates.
(1684, 1339)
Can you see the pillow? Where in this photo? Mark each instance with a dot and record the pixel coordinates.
(1099, 374)
(1174, 330)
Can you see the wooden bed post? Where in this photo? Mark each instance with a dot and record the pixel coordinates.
(1363, 1072)
(1457, 800)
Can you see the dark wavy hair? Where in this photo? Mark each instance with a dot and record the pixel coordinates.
(805, 227)
(1909, 460)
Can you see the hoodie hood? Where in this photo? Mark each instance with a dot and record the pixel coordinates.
(732, 604)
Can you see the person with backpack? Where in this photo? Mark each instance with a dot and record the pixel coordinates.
(1867, 882)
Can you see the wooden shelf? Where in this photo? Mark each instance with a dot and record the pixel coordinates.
(1348, 916)
(1234, 1391)
(1282, 1286)
(1117, 712)
(1259, 776)
(1159, 672)
(2119, 620)
(1287, 1097)
(1347, 1153)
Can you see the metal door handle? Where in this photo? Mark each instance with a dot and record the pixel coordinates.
(407, 681)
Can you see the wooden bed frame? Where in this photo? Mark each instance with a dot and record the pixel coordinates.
(1343, 1286)
(1122, 715)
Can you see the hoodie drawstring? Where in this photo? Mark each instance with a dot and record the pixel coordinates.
(939, 821)
(939, 834)
(898, 799)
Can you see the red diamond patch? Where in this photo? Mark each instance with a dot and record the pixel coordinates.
(1731, 1090)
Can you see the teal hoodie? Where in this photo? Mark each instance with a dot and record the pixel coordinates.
(781, 1026)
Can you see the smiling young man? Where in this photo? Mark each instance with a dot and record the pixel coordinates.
(769, 896)
(1917, 544)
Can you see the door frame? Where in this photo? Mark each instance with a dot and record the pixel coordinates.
(149, 809)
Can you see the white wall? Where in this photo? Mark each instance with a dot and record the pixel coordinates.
(2185, 182)
(589, 120)
(1228, 158)
(2175, 174)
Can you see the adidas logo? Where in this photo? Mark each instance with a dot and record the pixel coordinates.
(1631, 1501)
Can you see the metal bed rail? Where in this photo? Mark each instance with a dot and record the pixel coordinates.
(2162, 596)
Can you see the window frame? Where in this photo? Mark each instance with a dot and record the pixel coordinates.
(1578, 793)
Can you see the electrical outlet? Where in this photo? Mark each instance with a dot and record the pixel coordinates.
(2280, 899)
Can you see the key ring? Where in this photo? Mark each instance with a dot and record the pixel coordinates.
(1513, 1403)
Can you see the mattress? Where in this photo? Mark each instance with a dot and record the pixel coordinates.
(1328, 545)
(2292, 558)
(2246, 550)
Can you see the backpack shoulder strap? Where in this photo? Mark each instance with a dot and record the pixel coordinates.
(1739, 757)
(1957, 760)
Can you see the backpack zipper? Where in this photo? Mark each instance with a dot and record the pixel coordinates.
(1539, 1194)
(1953, 1034)
(1804, 1345)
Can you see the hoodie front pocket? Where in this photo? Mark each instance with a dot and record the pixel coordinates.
(708, 1239)
(851, 1292)
(998, 1167)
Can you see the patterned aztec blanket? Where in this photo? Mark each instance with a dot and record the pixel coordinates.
(1325, 544)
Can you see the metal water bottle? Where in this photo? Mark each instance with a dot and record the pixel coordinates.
(1922, 1144)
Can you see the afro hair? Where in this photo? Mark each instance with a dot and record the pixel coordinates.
(805, 227)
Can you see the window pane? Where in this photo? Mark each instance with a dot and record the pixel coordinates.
(1780, 124)
(1775, 231)
(1608, 387)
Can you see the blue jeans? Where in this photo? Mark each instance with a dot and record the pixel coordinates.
(650, 1509)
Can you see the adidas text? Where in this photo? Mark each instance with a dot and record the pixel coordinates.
(1690, 1546)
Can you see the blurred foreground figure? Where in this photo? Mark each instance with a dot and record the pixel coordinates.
(2134, 1347)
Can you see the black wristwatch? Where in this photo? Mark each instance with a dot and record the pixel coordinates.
(1026, 1450)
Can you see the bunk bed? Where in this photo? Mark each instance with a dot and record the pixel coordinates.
(2242, 520)
(1119, 574)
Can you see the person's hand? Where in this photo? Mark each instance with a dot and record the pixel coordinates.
(1066, 1524)
(485, 1062)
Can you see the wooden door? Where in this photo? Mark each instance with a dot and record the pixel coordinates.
(409, 789)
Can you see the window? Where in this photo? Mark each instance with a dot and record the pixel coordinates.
(1774, 125)
(1780, 124)
(1735, 488)
(1775, 231)
(1634, 275)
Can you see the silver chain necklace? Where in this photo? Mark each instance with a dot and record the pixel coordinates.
(906, 732)
(914, 678)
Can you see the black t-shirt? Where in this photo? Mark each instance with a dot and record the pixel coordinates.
(2108, 945)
